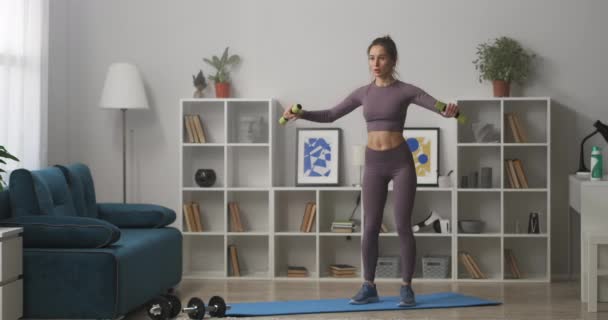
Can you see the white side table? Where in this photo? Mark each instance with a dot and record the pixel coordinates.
(11, 270)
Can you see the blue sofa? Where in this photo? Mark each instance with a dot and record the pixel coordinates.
(83, 259)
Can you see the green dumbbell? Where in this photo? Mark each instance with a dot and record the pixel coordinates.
(459, 116)
(295, 109)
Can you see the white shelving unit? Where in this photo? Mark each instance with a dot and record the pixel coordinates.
(505, 210)
(272, 214)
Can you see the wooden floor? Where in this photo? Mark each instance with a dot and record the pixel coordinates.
(556, 300)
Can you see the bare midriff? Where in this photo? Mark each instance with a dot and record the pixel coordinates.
(384, 140)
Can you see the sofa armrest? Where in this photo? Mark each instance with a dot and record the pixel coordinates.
(64, 231)
(136, 215)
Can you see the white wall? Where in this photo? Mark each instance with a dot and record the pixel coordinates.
(312, 52)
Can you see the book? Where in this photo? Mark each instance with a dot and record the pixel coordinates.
(305, 217)
(311, 217)
(234, 261)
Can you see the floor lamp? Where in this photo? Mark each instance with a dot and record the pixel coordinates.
(123, 89)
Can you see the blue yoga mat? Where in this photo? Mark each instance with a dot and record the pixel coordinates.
(424, 301)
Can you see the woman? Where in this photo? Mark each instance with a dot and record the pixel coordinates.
(387, 157)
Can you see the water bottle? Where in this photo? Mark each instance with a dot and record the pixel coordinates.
(597, 170)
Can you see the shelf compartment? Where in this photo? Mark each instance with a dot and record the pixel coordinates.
(337, 205)
(339, 250)
(248, 122)
(252, 254)
(479, 111)
(532, 115)
(204, 256)
(211, 207)
(432, 246)
(517, 208)
(472, 158)
(304, 256)
(253, 210)
(531, 257)
(248, 166)
(202, 158)
(487, 254)
(425, 202)
(211, 114)
(484, 206)
(534, 162)
(289, 207)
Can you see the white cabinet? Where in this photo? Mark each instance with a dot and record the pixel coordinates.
(11, 266)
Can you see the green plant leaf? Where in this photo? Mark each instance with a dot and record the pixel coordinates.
(225, 56)
(234, 59)
(211, 63)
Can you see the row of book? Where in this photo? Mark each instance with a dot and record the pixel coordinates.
(471, 265)
(517, 130)
(194, 129)
(308, 219)
(516, 174)
(512, 263)
(297, 272)
(342, 270)
(192, 217)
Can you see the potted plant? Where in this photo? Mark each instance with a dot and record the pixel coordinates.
(222, 75)
(504, 61)
(4, 154)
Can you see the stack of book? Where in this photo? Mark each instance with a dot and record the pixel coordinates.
(515, 173)
(308, 219)
(192, 217)
(194, 129)
(343, 226)
(236, 224)
(471, 265)
(517, 130)
(342, 270)
(297, 272)
(512, 263)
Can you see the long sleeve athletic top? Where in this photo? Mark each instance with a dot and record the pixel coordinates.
(384, 108)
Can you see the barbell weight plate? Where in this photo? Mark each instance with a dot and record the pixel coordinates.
(220, 307)
(158, 309)
(200, 308)
(175, 303)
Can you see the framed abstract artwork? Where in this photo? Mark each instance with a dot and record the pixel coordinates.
(317, 156)
(424, 145)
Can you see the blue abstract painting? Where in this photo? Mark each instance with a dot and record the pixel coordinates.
(317, 157)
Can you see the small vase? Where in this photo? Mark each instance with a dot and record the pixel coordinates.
(205, 177)
(501, 88)
(222, 90)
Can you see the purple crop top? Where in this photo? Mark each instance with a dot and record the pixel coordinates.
(384, 108)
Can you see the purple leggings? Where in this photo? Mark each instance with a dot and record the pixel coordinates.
(380, 167)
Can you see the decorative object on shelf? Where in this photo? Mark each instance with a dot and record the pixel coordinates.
(464, 182)
(486, 177)
(533, 223)
(471, 226)
(485, 132)
(123, 89)
(429, 220)
(424, 145)
(205, 177)
(445, 181)
(473, 179)
(258, 130)
(6, 155)
(358, 160)
(597, 168)
(199, 83)
(603, 130)
(318, 156)
(222, 76)
(503, 61)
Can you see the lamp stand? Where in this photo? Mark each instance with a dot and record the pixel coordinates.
(124, 155)
(581, 162)
(358, 184)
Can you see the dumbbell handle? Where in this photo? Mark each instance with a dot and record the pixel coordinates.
(156, 310)
(194, 309)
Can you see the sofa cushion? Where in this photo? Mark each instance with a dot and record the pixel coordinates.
(133, 215)
(5, 208)
(64, 231)
(53, 193)
(80, 182)
(23, 201)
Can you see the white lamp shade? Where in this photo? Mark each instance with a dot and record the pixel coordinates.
(358, 156)
(124, 88)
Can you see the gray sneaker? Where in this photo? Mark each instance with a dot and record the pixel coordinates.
(408, 298)
(367, 294)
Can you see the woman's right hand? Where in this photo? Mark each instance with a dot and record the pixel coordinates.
(288, 115)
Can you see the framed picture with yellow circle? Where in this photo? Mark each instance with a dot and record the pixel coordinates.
(424, 145)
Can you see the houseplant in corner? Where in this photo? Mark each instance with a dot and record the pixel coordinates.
(503, 62)
(222, 75)
(4, 154)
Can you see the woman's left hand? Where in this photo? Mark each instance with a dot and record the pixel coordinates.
(450, 110)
